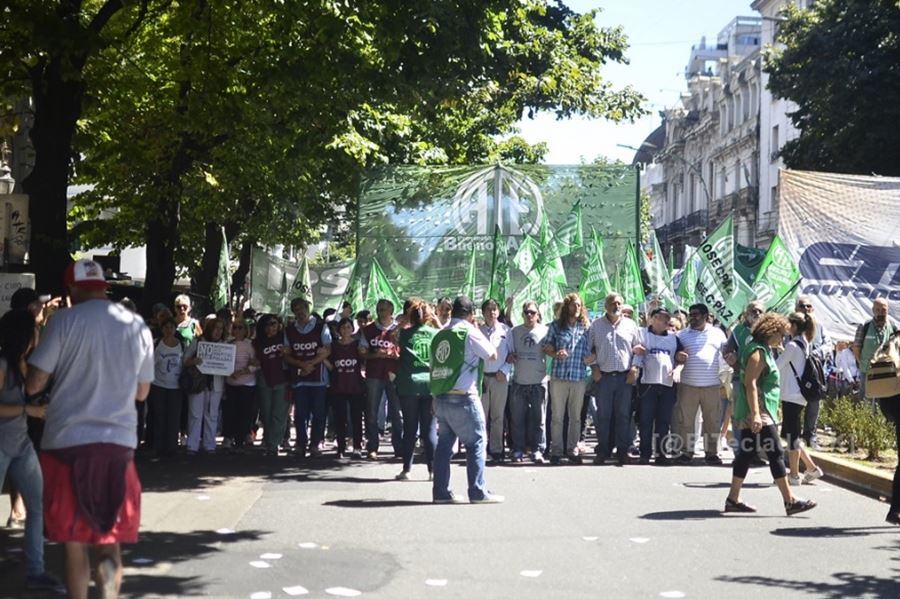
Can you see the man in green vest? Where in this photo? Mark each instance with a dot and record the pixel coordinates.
(869, 337)
(458, 352)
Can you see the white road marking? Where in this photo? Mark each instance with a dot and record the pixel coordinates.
(261, 595)
(295, 591)
(343, 592)
(225, 531)
(672, 594)
(260, 564)
(270, 556)
(531, 573)
(307, 545)
(436, 582)
(590, 538)
(638, 540)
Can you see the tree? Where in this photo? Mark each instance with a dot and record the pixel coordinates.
(840, 64)
(260, 115)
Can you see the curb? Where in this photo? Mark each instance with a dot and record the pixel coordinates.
(854, 476)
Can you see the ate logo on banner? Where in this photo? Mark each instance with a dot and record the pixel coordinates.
(442, 352)
(477, 199)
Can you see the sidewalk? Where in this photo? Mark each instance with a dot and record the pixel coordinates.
(856, 477)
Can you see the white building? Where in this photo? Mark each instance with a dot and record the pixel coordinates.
(775, 127)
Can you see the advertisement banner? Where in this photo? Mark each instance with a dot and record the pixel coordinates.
(421, 224)
(844, 233)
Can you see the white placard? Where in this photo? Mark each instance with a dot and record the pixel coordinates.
(217, 358)
(9, 283)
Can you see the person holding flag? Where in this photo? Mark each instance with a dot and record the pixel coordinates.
(458, 352)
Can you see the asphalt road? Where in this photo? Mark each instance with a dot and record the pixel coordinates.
(247, 526)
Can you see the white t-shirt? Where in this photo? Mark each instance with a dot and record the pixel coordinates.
(704, 348)
(793, 355)
(659, 358)
(167, 365)
(97, 352)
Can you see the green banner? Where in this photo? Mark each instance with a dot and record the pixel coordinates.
(778, 275)
(421, 224)
(272, 282)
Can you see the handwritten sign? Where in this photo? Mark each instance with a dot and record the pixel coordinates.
(9, 283)
(217, 358)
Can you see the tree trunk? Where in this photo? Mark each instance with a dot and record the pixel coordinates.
(57, 107)
(162, 239)
(203, 280)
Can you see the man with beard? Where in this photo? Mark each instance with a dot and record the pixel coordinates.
(869, 337)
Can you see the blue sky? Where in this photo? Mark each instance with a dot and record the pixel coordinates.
(661, 33)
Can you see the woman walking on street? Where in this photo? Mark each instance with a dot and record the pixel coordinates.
(790, 365)
(756, 410)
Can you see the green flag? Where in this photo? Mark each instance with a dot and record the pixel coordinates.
(283, 290)
(469, 287)
(723, 292)
(632, 286)
(380, 288)
(595, 284)
(687, 288)
(302, 286)
(777, 274)
(549, 263)
(658, 273)
(499, 269)
(785, 304)
(221, 287)
(569, 237)
(354, 291)
(671, 259)
(526, 256)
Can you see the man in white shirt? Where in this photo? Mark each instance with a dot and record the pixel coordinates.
(496, 378)
(703, 343)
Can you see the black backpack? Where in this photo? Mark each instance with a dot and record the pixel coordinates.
(813, 384)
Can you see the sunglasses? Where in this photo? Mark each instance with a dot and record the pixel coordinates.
(529, 312)
(182, 307)
(806, 305)
(695, 314)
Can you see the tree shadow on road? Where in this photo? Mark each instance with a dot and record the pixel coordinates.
(375, 503)
(845, 584)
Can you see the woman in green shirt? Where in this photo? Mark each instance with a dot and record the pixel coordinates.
(756, 414)
(413, 383)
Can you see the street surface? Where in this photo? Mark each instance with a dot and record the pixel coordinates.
(246, 526)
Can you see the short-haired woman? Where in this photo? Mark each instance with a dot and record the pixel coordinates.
(756, 411)
(203, 407)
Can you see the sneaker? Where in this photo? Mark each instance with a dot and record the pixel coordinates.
(13, 522)
(892, 518)
(356, 455)
(684, 459)
(451, 499)
(799, 505)
(315, 452)
(518, 457)
(555, 460)
(430, 475)
(489, 498)
(794, 481)
(713, 460)
(538, 458)
(497, 457)
(738, 507)
(599, 460)
(373, 455)
(404, 475)
(574, 458)
(812, 475)
(47, 582)
(662, 460)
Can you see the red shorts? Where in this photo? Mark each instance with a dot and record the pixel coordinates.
(63, 522)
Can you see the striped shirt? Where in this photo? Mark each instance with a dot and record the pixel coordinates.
(612, 343)
(704, 349)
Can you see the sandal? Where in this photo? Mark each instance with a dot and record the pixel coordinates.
(738, 507)
(799, 505)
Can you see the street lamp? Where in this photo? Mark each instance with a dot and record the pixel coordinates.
(649, 146)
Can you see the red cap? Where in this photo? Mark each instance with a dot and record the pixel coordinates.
(86, 274)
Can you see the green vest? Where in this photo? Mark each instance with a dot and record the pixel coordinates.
(448, 351)
(767, 386)
(872, 341)
(742, 338)
(414, 372)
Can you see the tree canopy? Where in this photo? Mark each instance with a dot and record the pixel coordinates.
(260, 115)
(840, 64)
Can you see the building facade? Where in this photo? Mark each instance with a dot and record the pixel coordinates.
(708, 165)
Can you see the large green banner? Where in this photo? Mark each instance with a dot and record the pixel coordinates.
(421, 224)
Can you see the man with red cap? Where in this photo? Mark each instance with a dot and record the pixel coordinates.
(100, 356)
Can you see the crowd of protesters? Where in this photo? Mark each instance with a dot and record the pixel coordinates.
(651, 386)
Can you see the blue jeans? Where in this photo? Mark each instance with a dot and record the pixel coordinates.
(462, 417)
(657, 402)
(375, 388)
(613, 402)
(309, 402)
(25, 475)
(418, 419)
(527, 413)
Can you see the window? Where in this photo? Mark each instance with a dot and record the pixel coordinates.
(775, 143)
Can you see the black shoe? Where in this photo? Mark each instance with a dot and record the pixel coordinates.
(574, 459)
(644, 461)
(799, 505)
(684, 459)
(623, 460)
(893, 518)
(713, 460)
(599, 460)
(555, 460)
(738, 507)
(662, 460)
